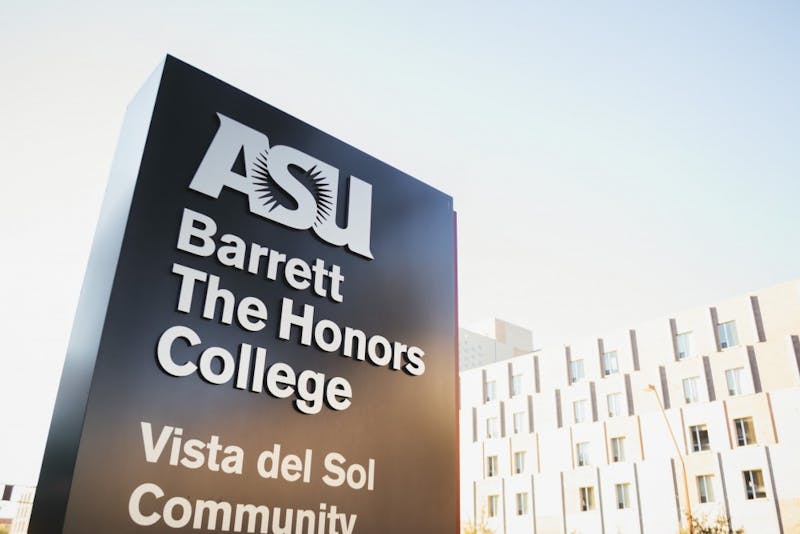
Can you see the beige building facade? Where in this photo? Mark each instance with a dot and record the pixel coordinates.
(496, 341)
(571, 439)
(15, 507)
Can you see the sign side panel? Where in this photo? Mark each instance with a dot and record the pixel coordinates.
(456, 444)
(58, 465)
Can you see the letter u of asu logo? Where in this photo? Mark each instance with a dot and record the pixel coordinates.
(285, 185)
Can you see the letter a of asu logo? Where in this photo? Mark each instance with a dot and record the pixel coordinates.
(285, 185)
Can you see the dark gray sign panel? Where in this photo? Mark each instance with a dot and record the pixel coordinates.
(266, 337)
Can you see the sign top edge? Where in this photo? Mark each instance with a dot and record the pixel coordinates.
(171, 62)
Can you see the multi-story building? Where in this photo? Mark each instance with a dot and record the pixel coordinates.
(500, 341)
(15, 507)
(572, 439)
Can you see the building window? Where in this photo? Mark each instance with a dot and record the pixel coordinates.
(492, 502)
(684, 342)
(576, 371)
(516, 385)
(579, 409)
(623, 495)
(491, 466)
(745, 435)
(699, 438)
(734, 379)
(586, 496)
(754, 485)
(492, 427)
(690, 389)
(614, 401)
(610, 363)
(705, 488)
(491, 390)
(519, 462)
(582, 453)
(519, 422)
(727, 334)
(618, 449)
(522, 503)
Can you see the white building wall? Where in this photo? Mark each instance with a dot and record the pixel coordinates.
(17, 508)
(767, 351)
(501, 341)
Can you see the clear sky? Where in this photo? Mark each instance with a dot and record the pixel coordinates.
(610, 161)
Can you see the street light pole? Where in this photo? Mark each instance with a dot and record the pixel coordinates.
(652, 388)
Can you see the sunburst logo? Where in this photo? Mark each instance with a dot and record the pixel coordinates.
(317, 184)
(286, 186)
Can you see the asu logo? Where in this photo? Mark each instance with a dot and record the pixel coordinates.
(285, 185)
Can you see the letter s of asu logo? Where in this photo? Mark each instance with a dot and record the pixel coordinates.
(285, 185)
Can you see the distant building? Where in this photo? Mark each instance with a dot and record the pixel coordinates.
(15, 507)
(571, 439)
(501, 341)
